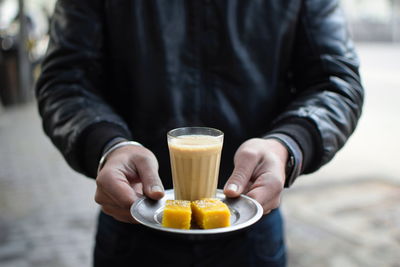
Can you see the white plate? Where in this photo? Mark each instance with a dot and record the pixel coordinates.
(245, 211)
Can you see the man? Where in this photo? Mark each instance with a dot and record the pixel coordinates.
(278, 77)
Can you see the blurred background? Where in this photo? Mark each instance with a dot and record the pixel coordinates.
(346, 214)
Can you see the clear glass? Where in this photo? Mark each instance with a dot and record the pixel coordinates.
(195, 155)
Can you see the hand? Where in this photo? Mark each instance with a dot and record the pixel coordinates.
(128, 172)
(259, 172)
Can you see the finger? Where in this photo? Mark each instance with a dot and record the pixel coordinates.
(245, 163)
(102, 198)
(116, 186)
(267, 191)
(119, 214)
(138, 187)
(268, 203)
(148, 172)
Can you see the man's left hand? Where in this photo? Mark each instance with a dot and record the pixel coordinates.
(259, 172)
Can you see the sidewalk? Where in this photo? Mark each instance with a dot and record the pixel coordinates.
(47, 212)
(347, 214)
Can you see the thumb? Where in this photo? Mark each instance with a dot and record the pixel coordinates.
(148, 173)
(245, 163)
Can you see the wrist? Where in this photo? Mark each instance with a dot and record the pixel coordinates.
(91, 143)
(109, 148)
(294, 156)
(279, 149)
(112, 143)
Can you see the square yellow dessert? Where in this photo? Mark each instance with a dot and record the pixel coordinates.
(177, 214)
(211, 213)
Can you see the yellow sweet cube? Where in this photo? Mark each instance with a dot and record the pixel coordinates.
(211, 213)
(177, 214)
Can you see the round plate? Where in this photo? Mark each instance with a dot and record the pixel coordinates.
(244, 212)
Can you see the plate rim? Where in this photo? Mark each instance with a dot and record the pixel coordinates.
(156, 226)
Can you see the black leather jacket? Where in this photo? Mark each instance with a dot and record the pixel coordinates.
(138, 68)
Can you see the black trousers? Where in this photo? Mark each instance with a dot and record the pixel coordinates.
(120, 244)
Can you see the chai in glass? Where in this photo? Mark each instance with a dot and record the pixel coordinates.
(195, 154)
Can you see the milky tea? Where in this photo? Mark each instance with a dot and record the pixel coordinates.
(195, 154)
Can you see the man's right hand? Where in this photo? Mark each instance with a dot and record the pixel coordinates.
(129, 172)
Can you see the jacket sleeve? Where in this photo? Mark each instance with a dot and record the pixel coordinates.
(75, 116)
(329, 94)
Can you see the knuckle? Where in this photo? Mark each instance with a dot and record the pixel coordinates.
(139, 158)
(99, 182)
(249, 153)
(142, 159)
(97, 197)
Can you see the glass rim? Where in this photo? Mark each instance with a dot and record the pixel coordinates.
(217, 132)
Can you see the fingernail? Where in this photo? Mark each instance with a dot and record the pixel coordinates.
(232, 187)
(156, 188)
